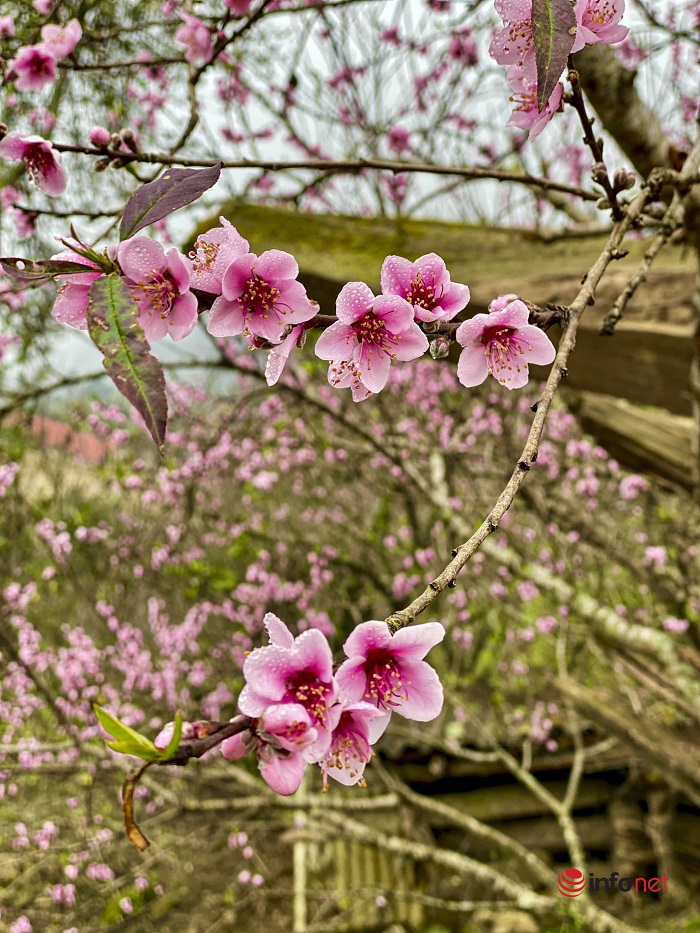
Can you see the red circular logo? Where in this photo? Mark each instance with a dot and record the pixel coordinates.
(571, 882)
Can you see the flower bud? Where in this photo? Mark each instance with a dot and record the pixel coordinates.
(602, 204)
(100, 137)
(102, 164)
(623, 179)
(599, 172)
(440, 347)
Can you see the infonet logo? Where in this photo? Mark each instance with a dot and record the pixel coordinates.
(572, 882)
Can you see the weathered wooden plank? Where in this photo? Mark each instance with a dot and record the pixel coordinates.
(642, 438)
(648, 359)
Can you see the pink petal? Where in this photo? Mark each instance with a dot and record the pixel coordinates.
(425, 694)
(226, 318)
(472, 366)
(283, 775)
(277, 358)
(237, 275)
(414, 641)
(433, 270)
(70, 306)
(139, 257)
(469, 333)
(539, 348)
(183, 316)
(295, 302)
(268, 669)
(235, 747)
(275, 264)
(353, 302)
(336, 342)
(410, 344)
(314, 654)
(396, 276)
(395, 312)
(154, 326)
(277, 631)
(352, 679)
(511, 371)
(515, 314)
(372, 367)
(365, 637)
(180, 268)
(455, 299)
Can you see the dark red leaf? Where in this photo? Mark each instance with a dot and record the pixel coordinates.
(175, 188)
(37, 272)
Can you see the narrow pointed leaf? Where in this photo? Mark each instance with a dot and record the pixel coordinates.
(554, 32)
(119, 730)
(135, 749)
(174, 742)
(42, 270)
(175, 188)
(114, 328)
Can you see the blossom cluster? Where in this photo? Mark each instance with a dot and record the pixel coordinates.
(597, 21)
(303, 712)
(35, 66)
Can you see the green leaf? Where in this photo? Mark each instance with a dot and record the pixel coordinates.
(553, 32)
(135, 749)
(174, 742)
(175, 188)
(119, 730)
(114, 328)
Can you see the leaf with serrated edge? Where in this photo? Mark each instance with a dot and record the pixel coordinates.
(114, 328)
(42, 270)
(135, 749)
(553, 33)
(119, 730)
(175, 188)
(174, 742)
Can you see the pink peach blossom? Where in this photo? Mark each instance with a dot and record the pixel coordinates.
(526, 115)
(160, 285)
(360, 725)
(512, 44)
(260, 296)
(7, 27)
(600, 21)
(60, 41)
(426, 285)
(196, 38)
(34, 67)
(213, 253)
(501, 344)
(43, 162)
(389, 672)
(369, 334)
(100, 136)
(279, 737)
(292, 670)
(239, 7)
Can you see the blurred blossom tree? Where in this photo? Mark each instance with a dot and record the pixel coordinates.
(124, 122)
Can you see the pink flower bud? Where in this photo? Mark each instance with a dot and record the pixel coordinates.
(100, 137)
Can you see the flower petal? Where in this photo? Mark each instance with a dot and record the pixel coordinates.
(396, 275)
(336, 343)
(275, 264)
(425, 694)
(225, 318)
(413, 642)
(139, 257)
(472, 366)
(353, 302)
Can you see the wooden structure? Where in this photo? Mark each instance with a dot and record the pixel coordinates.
(646, 363)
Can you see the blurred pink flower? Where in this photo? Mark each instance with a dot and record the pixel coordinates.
(43, 162)
(60, 41)
(389, 672)
(160, 285)
(239, 7)
(34, 67)
(195, 36)
(425, 284)
(261, 297)
(369, 334)
(501, 344)
(7, 27)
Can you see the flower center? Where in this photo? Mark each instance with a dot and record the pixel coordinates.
(203, 255)
(422, 294)
(38, 162)
(385, 685)
(159, 290)
(601, 14)
(260, 297)
(350, 750)
(307, 690)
